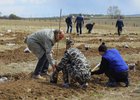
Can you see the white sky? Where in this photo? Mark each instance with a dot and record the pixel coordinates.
(47, 8)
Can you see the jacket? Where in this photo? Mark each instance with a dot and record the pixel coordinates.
(116, 62)
(42, 42)
(79, 20)
(119, 23)
(68, 20)
(76, 64)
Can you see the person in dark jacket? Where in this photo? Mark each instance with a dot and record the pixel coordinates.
(113, 65)
(68, 21)
(79, 23)
(89, 27)
(119, 25)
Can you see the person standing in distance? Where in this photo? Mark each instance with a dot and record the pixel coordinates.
(119, 25)
(68, 21)
(79, 23)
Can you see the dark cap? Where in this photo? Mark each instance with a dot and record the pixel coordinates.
(102, 47)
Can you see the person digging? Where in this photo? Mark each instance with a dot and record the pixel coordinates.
(113, 65)
(74, 67)
(41, 43)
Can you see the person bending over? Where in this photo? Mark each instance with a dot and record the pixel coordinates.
(113, 65)
(74, 66)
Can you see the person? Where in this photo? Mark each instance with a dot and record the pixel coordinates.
(41, 43)
(113, 65)
(89, 27)
(119, 25)
(74, 66)
(68, 21)
(79, 23)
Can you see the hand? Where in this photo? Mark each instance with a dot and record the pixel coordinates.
(54, 67)
(92, 73)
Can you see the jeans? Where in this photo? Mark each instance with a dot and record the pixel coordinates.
(42, 65)
(117, 76)
(79, 26)
(69, 27)
(119, 30)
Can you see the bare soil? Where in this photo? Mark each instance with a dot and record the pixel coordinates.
(17, 66)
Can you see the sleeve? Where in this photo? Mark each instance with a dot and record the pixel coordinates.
(103, 67)
(117, 24)
(75, 20)
(122, 24)
(83, 20)
(66, 20)
(64, 61)
(49, 54)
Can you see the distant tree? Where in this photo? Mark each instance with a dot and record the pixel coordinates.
(13, 16)
(4, 17)
(113, 11)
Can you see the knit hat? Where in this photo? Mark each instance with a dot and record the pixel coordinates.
(69, 42)
(102, 47)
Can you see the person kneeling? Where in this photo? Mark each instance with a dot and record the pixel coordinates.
(74, 65)
(113, 66)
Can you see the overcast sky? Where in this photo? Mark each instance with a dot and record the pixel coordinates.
(49, 8)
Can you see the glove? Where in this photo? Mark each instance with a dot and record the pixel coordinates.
(92, 73)
(54, 67)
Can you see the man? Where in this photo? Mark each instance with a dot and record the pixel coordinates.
(68, 21)
(74, 66)
(113, 66)
(79, 23)
(41, 43)
(89, 27)
(119, 25)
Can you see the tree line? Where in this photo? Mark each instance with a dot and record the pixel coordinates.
(11, 16)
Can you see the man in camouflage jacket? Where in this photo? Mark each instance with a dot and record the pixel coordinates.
(74, 65)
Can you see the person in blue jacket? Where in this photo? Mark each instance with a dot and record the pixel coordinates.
(113, 65)
(68, 21)
(79, 23)
(119, 25)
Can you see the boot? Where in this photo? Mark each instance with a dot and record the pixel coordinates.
(53, 78)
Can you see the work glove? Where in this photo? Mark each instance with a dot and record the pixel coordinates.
(92, 73)
(54, 67)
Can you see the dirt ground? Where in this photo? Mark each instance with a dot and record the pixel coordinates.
(17, 66)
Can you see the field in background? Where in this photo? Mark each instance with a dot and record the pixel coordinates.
(17, 65)
(132, 25)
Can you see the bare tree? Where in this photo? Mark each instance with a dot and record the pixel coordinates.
(113, 11)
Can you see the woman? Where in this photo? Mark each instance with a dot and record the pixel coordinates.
(113, 66)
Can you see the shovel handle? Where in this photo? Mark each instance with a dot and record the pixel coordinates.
(95, 67)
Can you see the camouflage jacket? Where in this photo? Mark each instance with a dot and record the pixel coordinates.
(76, 64)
